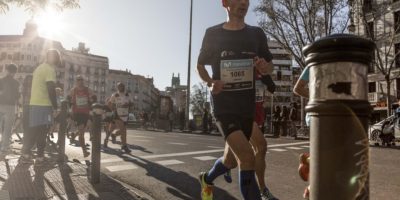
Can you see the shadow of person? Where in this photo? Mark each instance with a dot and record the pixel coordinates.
(179, 184)
(132, 147)
(21, 178)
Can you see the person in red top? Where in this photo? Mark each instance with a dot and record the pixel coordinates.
(80, 96)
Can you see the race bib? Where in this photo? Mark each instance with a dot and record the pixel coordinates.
(237, 74)
(259, 91)
(82, 101)
(122, 111)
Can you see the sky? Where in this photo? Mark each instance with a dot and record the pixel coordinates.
(148, 37)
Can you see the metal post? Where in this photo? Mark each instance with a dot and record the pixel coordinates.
(62, 130)
(189, 62)
(339, 111)
(97, 110)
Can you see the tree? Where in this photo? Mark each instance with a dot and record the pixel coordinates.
(297, 23)
(33, 6)
(198, 98)
(379, 25)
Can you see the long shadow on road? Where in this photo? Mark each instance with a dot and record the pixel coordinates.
(178, 183)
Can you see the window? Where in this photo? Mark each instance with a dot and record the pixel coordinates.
(279, 75)
(367, 5)
(3, 56)
(369, 30)
(371, 87)
(1, 68)
(396, 19)
(35, 58)
(22, 56)
(9, 57)
(28, 57)
(397, 54)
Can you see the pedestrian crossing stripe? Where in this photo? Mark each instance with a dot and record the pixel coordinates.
(306, 146)
(294, 148)
(169, 162)
(121, 167)
(177, 143)
(205, 158)
(278, 150)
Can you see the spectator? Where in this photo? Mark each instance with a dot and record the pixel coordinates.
(276, 121)
(42, 107)
(9, 96)
(284, 120)
(293, 116)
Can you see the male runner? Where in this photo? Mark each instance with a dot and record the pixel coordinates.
(235, 51)
(80, 97)
(120, 102)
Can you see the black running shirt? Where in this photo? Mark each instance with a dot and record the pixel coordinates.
(230, 54)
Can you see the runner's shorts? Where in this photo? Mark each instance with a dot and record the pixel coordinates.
(40, 115)
(80, 118)
(227, 124)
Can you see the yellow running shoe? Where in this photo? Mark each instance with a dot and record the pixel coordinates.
(206, 189)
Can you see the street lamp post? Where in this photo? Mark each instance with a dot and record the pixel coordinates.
(189, 62)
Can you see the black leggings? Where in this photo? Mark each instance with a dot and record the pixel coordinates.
(35, 135)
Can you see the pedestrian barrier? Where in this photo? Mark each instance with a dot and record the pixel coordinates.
(97, 113)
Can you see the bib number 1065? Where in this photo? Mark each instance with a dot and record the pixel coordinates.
(237, 73)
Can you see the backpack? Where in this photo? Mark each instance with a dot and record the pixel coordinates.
(293, 114)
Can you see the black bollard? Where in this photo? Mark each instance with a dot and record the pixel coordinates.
(62, 130)
(339, 111)
(97, 111)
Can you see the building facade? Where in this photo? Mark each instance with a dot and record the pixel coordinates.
(29, 50)
(145, 96)
(178, 93)
(379, 20)
(282, 76)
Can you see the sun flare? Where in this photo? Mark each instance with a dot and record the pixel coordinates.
(50, 23)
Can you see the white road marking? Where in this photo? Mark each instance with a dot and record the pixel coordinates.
(294, 148)
(278, 150)
(209, 151)
(214, 147)
(136, 140)
(111, 160)
(306, 146)
(140, 136)
(169, 162)
(181, 154)
(121, 167)
(204, 158)
(177, 143)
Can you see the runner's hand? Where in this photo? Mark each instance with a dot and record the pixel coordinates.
(217, 86)
(262, 66)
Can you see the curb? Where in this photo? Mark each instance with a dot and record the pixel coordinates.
(128, 190)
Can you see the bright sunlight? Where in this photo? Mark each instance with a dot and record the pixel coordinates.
(50, 23)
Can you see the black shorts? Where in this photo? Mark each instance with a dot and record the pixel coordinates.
(228, 124)
(80, 118)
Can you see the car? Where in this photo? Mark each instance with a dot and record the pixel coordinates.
(375, 130)
(133, 121)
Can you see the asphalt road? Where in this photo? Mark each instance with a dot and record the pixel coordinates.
(165, 166)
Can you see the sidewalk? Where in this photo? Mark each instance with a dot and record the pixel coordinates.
(55, 181)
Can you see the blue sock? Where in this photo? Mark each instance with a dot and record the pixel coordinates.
(248, 185)
(217, 170)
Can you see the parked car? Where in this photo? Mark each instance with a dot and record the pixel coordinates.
(392, 128)
(133, 121)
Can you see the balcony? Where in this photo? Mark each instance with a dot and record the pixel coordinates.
(373, 97)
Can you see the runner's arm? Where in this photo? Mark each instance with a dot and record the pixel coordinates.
(51, 89)
(301, 88)
(203, 73)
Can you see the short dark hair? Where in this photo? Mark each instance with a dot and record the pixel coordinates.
(12, 68)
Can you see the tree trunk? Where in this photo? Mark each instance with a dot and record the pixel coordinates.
(388, 100)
